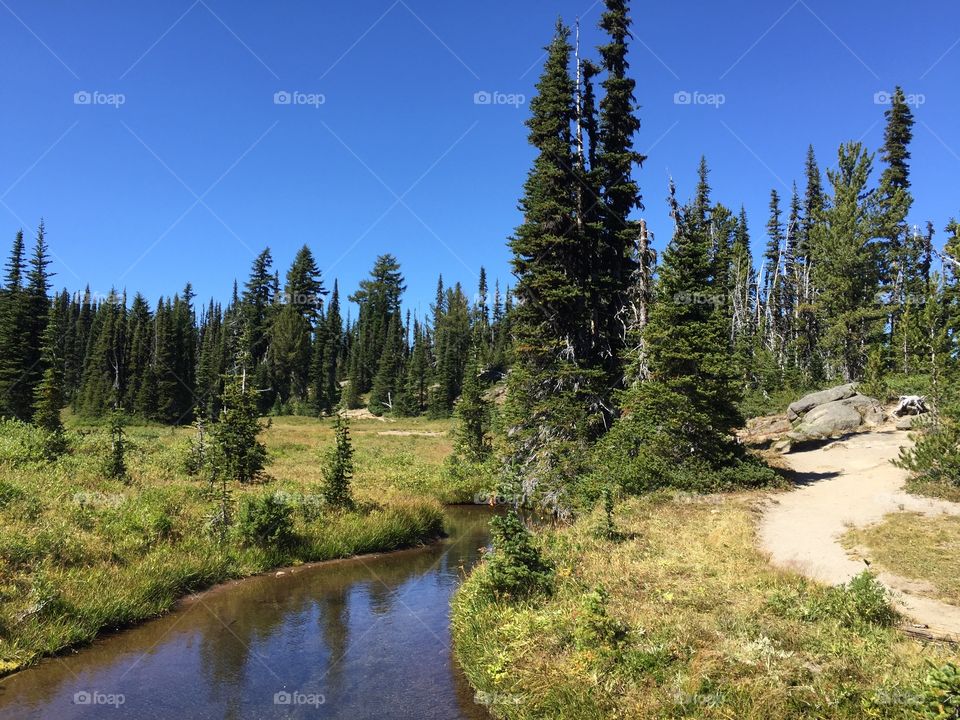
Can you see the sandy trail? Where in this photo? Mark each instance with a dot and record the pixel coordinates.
(843, 484)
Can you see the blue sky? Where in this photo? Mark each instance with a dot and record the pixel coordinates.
(182, 165)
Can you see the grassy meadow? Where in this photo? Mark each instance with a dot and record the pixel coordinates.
(916, 547)
(680, 616)
(81, 553)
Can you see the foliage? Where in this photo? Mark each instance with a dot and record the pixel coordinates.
(692, 622)
(935, 457)
(265, 520)
(338, 470)
(116, 466)
(666, 442)
(236, 452)
(940, 693)
(97, 554)
(515, 567)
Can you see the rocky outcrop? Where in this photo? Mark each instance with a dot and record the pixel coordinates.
(836, 418)
(830, 413)
(808, 402)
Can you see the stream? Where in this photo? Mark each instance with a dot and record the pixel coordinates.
(361, 638)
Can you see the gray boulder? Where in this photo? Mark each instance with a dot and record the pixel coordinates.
(906, 422)
(828, 420)
(808, 402)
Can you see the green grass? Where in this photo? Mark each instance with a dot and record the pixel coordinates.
(917, 547)
(80, 553)
(691, 622)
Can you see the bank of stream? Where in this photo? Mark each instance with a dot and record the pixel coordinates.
(361, 638)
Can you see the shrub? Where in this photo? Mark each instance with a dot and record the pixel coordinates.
(665, 442)
(940, 693)
(595, 629)
(266, 521)
(936, 455)
(862, 601)
(22, 443)
(515, 566)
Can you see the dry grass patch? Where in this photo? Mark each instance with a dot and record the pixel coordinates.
(696, 624)
(917, 547)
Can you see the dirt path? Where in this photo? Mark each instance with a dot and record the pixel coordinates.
(843, 484)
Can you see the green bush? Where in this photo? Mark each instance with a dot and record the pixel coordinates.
(936, 455)
(862, 601)
(596, 629)
(22, 443)
(664, 442)
(515, 566)
(940, 694)
(266, 521)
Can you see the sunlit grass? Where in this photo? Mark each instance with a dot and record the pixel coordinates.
(711, 629)
(917, 547)
(80, 552)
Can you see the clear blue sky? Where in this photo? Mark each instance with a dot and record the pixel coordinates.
(199, 167)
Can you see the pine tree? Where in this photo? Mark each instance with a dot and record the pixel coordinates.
(48, 400)
(846, 266)
(258, 305)
(472, 435)
(555, 397)
(36, 298)
(388, 381)
(379, 300)
(14, 326)
(236, 451)
(117, 462)
(687, 340)
(677, 426)
(901, 272)
(338, 470)
(333, 350)
(615, 161)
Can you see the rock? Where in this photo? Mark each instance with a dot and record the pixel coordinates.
(905, 423)
(830, 420)
(782, 446)
(874, 417)
(761, 431)
(808, 402)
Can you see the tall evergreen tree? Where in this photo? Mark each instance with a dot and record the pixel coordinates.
(846, 266)
(616, 158)
(14, 326)
(555, 393)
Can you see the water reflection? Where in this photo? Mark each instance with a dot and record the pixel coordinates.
(365, 638)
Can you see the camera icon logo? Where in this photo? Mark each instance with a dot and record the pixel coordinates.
(282, 97)
(682, 97)
(82, 97)
(882, 97)
(82, 698)
(482, 98)
(282, 698)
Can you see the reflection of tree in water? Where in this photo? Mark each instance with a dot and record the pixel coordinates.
(334, 621)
